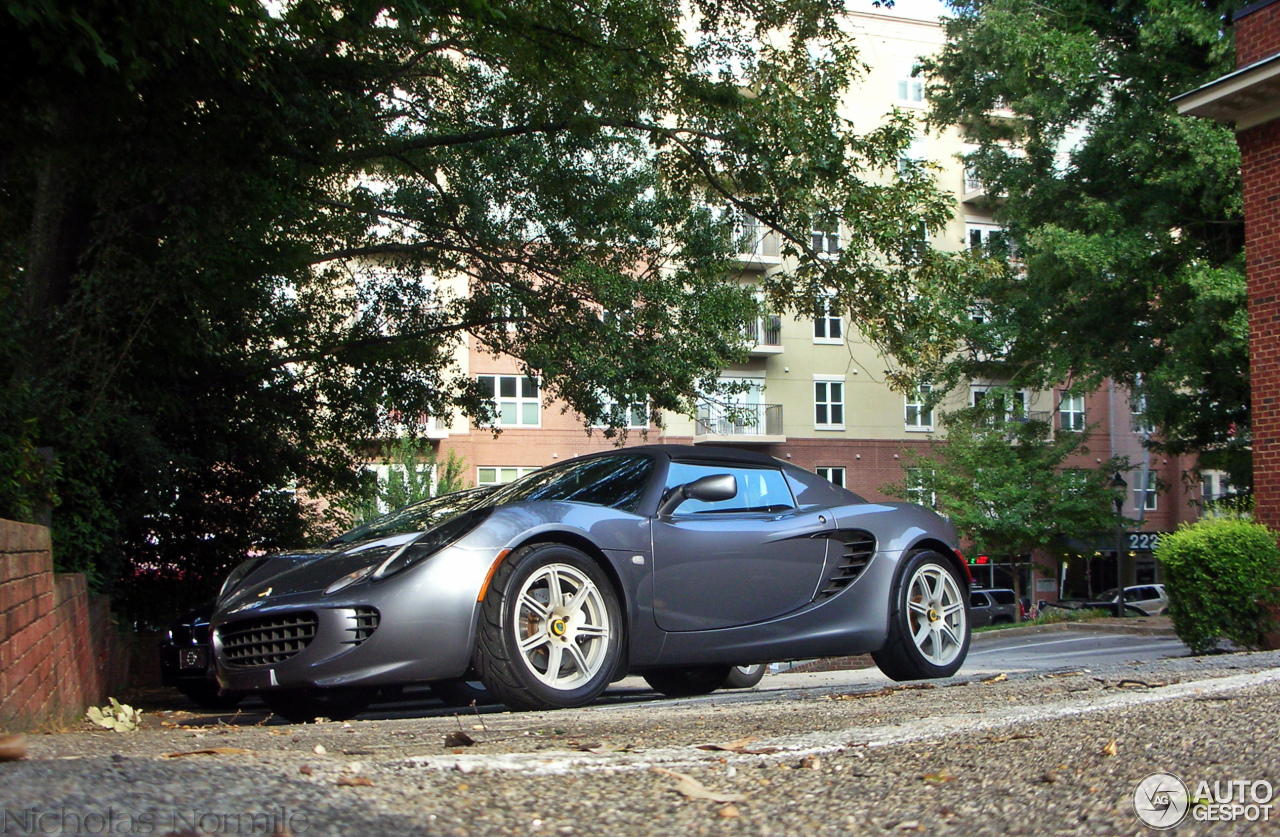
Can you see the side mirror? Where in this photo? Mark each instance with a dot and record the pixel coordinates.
(712, 489)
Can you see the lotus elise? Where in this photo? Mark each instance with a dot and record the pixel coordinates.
(673, 562)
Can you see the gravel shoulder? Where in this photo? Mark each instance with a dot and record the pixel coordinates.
(1024, 753)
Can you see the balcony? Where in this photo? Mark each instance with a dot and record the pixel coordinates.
(757, 244)
(741, 424)
(430, 427)
(765, 335)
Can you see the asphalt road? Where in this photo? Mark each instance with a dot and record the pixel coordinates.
(1055, 750)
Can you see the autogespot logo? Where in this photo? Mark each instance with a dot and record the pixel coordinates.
(1161, 800)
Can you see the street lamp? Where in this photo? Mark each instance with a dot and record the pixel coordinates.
(1120, 487)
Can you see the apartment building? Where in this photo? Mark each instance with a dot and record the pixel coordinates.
(818, 395)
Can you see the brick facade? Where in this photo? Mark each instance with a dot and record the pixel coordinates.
(58, 654)
(1258, 37)
(1257, 34)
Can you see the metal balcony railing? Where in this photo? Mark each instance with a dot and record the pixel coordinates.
(766, 331)
(755, 239)
(739, 420)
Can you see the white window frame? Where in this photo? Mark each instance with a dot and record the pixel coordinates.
(1067, 404)
(519, 400)
(916, 494)
(824, 321)
(521, 470)
(608, 405)
(834, 474)
(983, 232)
(826, 381)
(915, 402)
(1139, 422)
(1009, 413)
(1152, 493)
(1217, 484)
(908, 90)
(826, 243)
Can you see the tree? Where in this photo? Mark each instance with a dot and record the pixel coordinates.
(1009, 484)
(1126, 219)
(238, 237)
(413, 473)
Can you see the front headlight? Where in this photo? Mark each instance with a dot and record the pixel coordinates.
(430, 543)
(349, 579)
(238, 575)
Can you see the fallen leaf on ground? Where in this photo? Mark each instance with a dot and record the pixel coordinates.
(13, 747)
(1154, 684)
(887, 690)
(999, 678)
(1066, 674)
(1111, 749)
(811, 763)
(740, 746)
(211, 751)
(354, 782)
(943, 775)
(729, 811)
(458, 739)
(306, 770)
(694, 789)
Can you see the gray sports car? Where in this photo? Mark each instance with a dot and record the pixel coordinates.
(674, 562)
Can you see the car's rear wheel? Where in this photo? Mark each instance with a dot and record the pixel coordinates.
(688, 681)
(299, 706)
(928, 621)
(744, 677)
(551, 630)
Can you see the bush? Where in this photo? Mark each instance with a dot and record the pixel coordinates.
(1217, 571)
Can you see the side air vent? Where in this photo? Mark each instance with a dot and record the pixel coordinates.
(858, 546)
(362, 623)
(268, 641)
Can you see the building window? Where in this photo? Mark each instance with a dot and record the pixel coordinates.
(918, 416)
(833, 475)
(988, 239)
(1139, 420)
(1153, 487)
(500, 475)
(909, 87)
(636, 418)
(828, 327)
(516, 400)
(1071, 412)
(828, 404)
(1214, 485)
(825, 242)
(1006, 406)
(916, 491)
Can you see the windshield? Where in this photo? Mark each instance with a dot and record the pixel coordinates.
(614, 481)
(417, 517)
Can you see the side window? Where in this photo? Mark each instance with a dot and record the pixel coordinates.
(977, 600)
(759, 489)
(1004, 597)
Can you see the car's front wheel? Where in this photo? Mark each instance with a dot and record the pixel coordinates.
(551, 630)
(928, 621)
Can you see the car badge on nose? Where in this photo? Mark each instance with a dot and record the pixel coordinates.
(264, 593)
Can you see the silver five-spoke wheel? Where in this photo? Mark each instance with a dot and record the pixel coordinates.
(937, 614)
(562, 626)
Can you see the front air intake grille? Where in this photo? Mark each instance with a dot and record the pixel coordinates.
(858, 546)
(362, 623)
(268, 641)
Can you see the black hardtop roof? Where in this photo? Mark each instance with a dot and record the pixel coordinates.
(699, 453)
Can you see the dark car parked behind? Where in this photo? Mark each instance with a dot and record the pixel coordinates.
(993, 607)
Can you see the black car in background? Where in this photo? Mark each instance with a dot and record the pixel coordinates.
(993, 607)
(187, 664)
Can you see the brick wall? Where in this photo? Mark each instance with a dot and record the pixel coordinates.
(1260, 166)
(58, 652)
(1257, 35)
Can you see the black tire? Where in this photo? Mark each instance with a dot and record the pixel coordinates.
(300, 706)
(901, 658)
(688, 682)
(745, 677)
(461, 692)
(512, 675)
(205, 695)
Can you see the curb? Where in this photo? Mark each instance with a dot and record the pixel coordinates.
(1096, 625)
